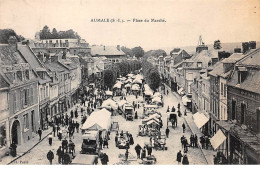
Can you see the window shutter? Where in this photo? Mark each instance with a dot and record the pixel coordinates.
(22, 97)
(32, 96)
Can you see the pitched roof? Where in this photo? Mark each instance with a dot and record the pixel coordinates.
(251, 59)
(10, 56)
(33, 61)
(251, 83)
(218, 69)
(106, 51)
(30, 57)
(233, 58)
(205, 56)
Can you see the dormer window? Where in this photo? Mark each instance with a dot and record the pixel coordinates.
(199, 64)
(27, 74)
(242, 74)
(19, 75)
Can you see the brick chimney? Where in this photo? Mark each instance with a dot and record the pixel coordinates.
(12, 41)
(41, 57)
(245, 46)
(252, 45)
(237, 50)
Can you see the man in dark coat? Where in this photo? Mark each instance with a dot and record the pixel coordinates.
(167, 131)
(40, 133)
(71, 114)
(215, 160)
(116, 139)
(143, 155)
(13, 149)
(138, 150)
(50, 156)
(131, 140)
(195, 141)
(149, 150)
(65, 144)
(179, 156)
(182, 141)
(192, 141)
(104, 159)
(60, 154)
(185, 160)
(66, 158)
(183, 127)
(77, 126)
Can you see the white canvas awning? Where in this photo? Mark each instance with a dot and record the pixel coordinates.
(185, 100)
(98, 120)
(157, 99)
(152, 121)
(200, 119)
(135, 87)
(217, 139)
(180, 91)
(109, 93)
(109, 103)
(121, 103)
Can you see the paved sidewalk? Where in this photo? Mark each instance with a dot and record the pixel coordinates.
(26, 147)
(208, 154)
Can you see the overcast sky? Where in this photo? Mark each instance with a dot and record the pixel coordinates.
(227, 20)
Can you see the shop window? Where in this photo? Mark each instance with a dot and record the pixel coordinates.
(2, 135)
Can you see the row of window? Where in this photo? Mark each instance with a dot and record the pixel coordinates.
(26, 99)
(44, 92)
(22, 75)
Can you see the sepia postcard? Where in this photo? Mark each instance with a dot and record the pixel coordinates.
(129, 82)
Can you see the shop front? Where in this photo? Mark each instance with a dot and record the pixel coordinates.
(44, 116)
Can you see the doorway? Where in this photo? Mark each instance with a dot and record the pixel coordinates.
(16, 135)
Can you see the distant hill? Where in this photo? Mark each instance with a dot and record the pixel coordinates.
(229, 47)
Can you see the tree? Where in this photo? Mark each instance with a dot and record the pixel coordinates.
(158, 52)
(68, 34)
(151, 75)
(55, 34)
(109, 78)
(138, 51)
(217, 44)
(154, 79)
(6, 33)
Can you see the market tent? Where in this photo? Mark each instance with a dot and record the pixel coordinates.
(109, 103)
(152, 121)
(185, 100)
(128, 85)
(135, 87)
(157, 94)
(138, 81)
(217, 139)
(117, 85)
(109, 93)
(181, 91)
(138, 76)
(200, 119)
(148, 92)
(146, 87)
(157, 99)
(129, 80)
(144, 121)
(98, 120)
(121, 103)
(130, 75)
